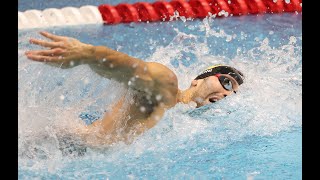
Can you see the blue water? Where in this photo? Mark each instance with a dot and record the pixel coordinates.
(255, 134)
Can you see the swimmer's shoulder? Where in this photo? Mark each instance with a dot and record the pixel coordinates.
(162, 73)
(167, 81)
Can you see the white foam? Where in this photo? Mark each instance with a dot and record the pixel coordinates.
(270, 100)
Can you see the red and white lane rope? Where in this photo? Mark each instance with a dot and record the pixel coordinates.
(151, 12)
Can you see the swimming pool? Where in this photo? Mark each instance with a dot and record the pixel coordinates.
(255, 134)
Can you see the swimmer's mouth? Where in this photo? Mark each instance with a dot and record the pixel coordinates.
(213, 100)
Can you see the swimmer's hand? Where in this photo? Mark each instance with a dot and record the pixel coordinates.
(63, 51)
(66, 52)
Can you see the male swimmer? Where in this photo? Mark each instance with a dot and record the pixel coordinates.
(153, 86)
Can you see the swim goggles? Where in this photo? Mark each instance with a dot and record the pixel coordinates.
(225, 82)
(219, 71)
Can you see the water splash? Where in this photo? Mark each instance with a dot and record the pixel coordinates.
(268, 103)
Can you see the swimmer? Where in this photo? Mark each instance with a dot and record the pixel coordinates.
(153, 85)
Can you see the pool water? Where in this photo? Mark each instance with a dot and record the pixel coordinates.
(254, 134)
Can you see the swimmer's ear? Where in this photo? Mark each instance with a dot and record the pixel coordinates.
(194, 83)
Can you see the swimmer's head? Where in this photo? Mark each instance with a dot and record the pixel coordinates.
(215, 83)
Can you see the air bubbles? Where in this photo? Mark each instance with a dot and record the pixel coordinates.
(142, 109)
(71, 63)
(147, 90)
(183, 19)
(212, 16)
(223, 13)
(86, 81)
(62, 97)
(292, 40)
(132, 79)
(158, 97)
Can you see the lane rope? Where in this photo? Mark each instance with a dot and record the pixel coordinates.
(152, 12)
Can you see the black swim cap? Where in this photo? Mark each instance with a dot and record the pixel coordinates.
(222, 69)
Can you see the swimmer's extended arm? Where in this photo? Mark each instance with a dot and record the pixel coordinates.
(66, 52)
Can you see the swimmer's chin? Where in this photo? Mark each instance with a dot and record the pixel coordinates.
(192, 104)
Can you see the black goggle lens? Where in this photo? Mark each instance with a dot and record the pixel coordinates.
(226, 83)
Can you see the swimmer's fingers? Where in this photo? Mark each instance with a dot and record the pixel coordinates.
(52, 36)
(50, 52)
(43, 58)
(45, 43)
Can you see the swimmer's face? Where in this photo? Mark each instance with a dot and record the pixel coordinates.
(211, 89)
